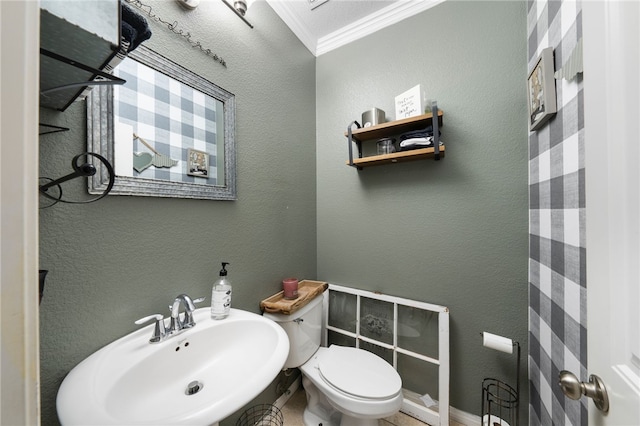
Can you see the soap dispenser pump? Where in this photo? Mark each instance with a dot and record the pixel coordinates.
(221, 295)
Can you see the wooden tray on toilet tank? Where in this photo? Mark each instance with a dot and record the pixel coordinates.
(307, 290)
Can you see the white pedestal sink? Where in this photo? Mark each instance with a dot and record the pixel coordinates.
(198, 377)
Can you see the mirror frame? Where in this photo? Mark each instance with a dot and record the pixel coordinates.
(100, 137)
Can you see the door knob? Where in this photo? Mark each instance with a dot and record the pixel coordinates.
(595, 389)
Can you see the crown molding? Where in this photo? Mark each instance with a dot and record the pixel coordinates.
(390, 15)
(383, 18)
(294, 24)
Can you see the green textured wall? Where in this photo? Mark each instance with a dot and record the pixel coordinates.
(116, 260)
(452, 232)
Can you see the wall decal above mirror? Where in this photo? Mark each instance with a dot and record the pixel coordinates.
(150, 128)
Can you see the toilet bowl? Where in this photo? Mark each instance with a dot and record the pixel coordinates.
(345, 386)
(359, 384)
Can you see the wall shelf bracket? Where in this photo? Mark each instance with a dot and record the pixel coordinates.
(436, 131)
(104, 78)
(358, 143)
(45, 129)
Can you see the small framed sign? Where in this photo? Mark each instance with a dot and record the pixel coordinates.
(409, 103)
(197, 163)
(542, 90)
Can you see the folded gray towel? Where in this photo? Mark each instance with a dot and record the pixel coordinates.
(134, 28)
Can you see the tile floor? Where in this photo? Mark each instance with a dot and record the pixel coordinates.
(292, 413)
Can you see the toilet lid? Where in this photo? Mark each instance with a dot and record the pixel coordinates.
(359, 372)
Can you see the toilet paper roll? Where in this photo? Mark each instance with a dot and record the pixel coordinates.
(499, 343)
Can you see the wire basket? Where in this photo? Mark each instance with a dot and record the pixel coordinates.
(499, 404)
(261, 415)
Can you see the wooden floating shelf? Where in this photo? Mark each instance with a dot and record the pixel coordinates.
(393, 129)
(399, 126)
(396, 157)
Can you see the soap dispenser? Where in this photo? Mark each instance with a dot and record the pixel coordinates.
(221, 295)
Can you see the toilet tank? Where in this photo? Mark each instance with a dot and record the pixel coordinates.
(304, 329)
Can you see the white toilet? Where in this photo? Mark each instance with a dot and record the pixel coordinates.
(345, 386)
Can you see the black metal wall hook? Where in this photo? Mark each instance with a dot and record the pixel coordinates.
(84, 169)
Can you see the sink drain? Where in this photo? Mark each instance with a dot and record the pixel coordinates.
(194, 387)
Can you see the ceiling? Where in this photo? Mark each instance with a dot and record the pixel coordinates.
(323, 25)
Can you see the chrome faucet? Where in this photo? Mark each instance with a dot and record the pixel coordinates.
(159, 331)
(176, 325)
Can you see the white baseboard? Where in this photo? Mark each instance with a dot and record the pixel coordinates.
(288, 393)
(414, 406)
(457, 417)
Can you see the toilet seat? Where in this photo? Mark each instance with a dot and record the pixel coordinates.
(359, 373)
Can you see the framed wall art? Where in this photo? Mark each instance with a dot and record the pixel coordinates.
(197, 163)
(541, 90)
(167, 131)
